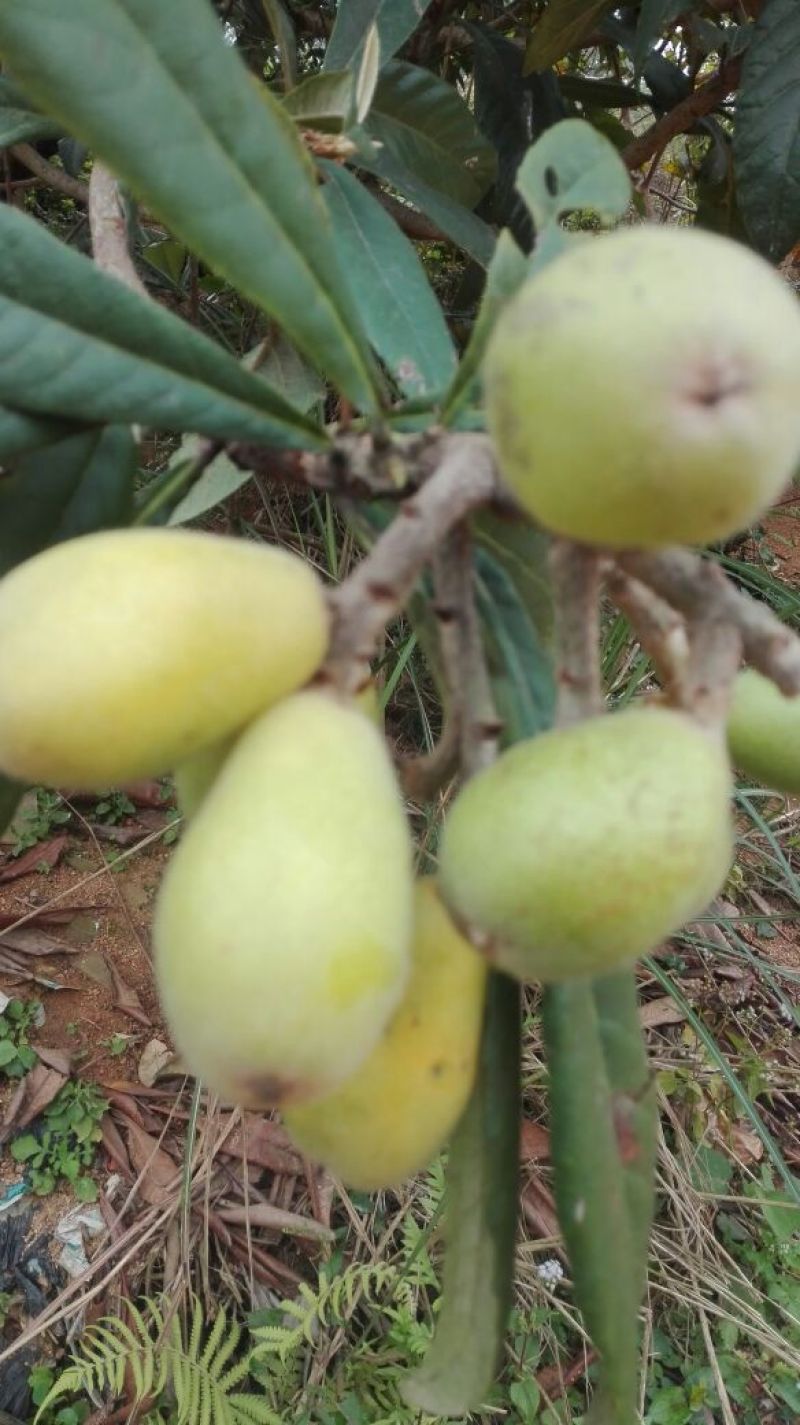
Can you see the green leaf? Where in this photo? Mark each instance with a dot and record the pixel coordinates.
(766, 140)
(591, 1192)
(399, 310)
(280, 22)
(457, 222)
(426, 126)
(507, 271)
(395, 20)
(323, 101)
(19, 123)
(564, 24)
(205, 147)
(481, 1214)
(10, 797)
(75, 342)
(24, 1148)
(74, 486)
(514, 606)
(654, 17)
(601, 93)
(572, 167)
(8, 1051)
(20, 432)
(219, 480)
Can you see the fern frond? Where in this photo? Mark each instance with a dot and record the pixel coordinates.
(156, 1355)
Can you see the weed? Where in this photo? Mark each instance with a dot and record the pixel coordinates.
(113, 808)
(16, 1054)
(65, 1145)
(38, 822)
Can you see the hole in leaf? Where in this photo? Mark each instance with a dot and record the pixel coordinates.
(551, 181)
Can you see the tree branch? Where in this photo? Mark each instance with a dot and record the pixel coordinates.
(380, 585)
(695, 106)
(109, 230)
(575, 572)
(698, 587)
(54, 177)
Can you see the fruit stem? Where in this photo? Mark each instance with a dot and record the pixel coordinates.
(659, 628)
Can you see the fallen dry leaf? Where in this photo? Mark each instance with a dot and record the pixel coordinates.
(57, 1059)
(263, 1142)
(30, 940)
(35, 1092)
(158, 1173)
(539, 1209)
(47, 853)
(534, 1142)
(746, 1145)
(114, 1145)
(264, 1214)
(156, 1055)
(126, 998)
(660, 1011)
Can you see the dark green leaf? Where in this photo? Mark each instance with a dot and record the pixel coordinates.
(69, 488)
(591, 1193)
(481, 1208)
(395, 19)
(600, 93)
(514, 605)
(399, 311)
(458, 223)
(20, 432)
(280, 22)
(654, 17)
(10, 797)
(766, 141)
(426, 126)
(564, 24)
(19, 122)
(210, 151)
(75, 342)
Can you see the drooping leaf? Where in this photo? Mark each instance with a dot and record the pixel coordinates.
(395, 21)
(426, 126)
(458, 223)
(766, 139)
(75, 342)
(562, 27)
(220, 479)
(76, 485)
(600, 93)
(481, 1214)
(19, 122)
(569, 168)
(515, 607)
(208, 150)
(591, 1193)
(399, 310)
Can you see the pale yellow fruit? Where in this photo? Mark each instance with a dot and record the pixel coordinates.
(283, 925)
(123, 653)
(644, 389)
(386, 1122)
(764, 732)
(583, 848)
